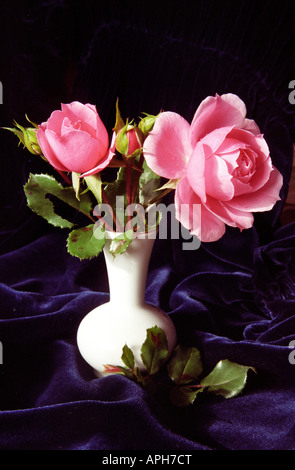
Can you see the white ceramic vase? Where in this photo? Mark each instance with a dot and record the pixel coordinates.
(125, 318)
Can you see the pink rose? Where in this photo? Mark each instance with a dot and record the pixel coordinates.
(75, 139)
(222, 163)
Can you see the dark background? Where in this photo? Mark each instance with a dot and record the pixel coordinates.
(233, 298)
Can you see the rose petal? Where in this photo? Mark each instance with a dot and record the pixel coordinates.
(264, 198)
(54, 122)
(251, 126)
(215, 140)
(47, 151)
(167, 148)
(255, 142)
(105, 161)
(216, 112)
(77, 150)
(212, 228)
(218, 180)
(261, 175)
(185, 196)
(230, 215)
(194, 216)
(90, 120)
(195, 171)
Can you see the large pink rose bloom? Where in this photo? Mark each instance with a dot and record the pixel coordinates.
(222, 165)
(75, 139)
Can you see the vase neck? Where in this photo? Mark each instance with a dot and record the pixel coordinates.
(127, 272)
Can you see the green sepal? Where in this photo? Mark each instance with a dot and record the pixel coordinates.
(84, 243)
(119, 124)
(122, 141)
(76, 182)
(154, 350)
(171, 184)
(39, 186)
(95, 185)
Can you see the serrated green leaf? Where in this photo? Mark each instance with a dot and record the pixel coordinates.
(128, 357)
(227, 379)
(39, 186)
(184, 396)
(154, 350)
(84, 243)
(185, 365)
(120, 244)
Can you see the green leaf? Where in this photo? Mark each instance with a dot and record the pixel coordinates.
(185, 365)
(184, 396)
(154, 350)
(149, 182)
(227, 379)
(120, 244)
(84, 243)
(39, 186)
(128, 357)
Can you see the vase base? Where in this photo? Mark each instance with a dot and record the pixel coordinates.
(104, 332)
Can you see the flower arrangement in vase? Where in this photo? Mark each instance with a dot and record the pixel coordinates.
(220, 169)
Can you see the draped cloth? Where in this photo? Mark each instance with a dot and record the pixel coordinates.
(234, 298)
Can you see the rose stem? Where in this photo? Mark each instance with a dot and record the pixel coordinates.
(107, 201)
(136, 178)
(128, 184)
(65, 177)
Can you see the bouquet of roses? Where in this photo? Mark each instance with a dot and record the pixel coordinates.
(219, 168)
(220, 164)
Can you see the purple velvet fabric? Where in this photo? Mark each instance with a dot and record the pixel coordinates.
(233, 299)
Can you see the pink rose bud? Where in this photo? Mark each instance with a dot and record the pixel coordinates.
(74, 139)
(129, 139)
(146, 124)
(27, 136)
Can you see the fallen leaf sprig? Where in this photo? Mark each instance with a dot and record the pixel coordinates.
(181, 376)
